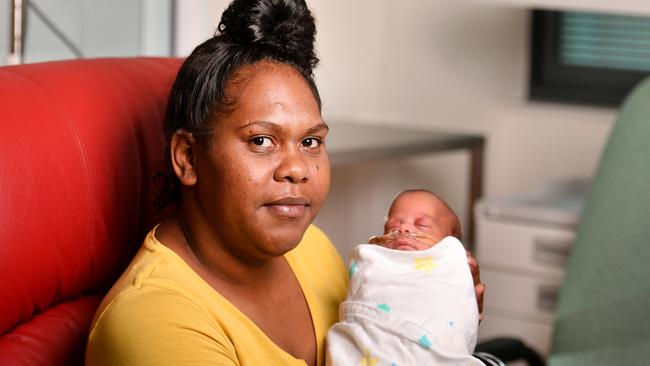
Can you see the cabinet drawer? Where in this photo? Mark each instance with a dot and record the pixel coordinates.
(531, 298)
(536, 336)
(535, 249)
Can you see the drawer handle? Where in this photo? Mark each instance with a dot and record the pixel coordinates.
(552, 251)
(547, 297)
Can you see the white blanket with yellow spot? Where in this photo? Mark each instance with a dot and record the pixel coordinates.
(407, 308)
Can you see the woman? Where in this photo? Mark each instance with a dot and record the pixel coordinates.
(238, 276)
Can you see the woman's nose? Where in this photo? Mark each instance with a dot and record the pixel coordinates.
(293, 168)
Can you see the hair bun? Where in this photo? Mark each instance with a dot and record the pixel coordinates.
(284, 26)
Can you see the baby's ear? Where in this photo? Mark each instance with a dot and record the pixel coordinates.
(182, 149)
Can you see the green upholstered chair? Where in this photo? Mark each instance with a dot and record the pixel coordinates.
(603, 313)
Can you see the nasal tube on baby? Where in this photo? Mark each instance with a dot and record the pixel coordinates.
(393, 235)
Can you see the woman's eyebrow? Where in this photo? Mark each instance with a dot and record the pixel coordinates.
(264, 124)
(319, 127)
(270, 125)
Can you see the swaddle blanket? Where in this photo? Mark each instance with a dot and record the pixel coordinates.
(407, 308)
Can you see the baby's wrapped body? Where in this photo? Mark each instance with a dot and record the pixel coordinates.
(407, 308)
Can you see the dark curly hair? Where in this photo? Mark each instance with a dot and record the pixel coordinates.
(250, 31)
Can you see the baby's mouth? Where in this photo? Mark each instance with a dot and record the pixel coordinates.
(404, 243)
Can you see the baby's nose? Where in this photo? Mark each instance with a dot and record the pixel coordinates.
(405, 228)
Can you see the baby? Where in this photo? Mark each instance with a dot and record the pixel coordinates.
(411, 298)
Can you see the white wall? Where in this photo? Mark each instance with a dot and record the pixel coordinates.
(196, 21)
(455, 65)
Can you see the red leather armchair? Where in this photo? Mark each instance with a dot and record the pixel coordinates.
(79, 142)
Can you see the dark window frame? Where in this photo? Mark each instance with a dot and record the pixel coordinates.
(552, 81)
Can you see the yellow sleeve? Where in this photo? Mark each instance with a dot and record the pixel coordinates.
(157, 327)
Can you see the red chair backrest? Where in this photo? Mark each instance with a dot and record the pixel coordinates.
(79, 143)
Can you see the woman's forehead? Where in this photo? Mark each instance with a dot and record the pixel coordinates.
(271, 93)
(266, 77)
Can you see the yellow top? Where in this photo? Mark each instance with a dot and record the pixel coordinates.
(160, 312)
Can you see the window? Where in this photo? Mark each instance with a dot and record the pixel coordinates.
(61, 29)
(587, 57)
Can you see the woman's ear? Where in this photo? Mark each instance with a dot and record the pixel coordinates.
(182, 149)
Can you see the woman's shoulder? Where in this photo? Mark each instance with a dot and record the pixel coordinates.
(156, 298)
(154, 325)
(157, 279)
(155, 274)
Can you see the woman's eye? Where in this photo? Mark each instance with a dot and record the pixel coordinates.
(311, 142)
(262, 141)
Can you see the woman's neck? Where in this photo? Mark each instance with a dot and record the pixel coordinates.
(210, 257)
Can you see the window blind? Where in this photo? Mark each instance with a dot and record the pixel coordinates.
(605, 41)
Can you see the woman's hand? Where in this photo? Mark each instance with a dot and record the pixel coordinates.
(479, 287)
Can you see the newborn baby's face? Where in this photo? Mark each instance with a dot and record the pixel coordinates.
(411, 223)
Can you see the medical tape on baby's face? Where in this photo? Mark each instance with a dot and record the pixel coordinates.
(395, 234)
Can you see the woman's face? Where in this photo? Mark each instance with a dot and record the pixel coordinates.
(266, 172)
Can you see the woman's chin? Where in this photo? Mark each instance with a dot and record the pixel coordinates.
(279, 241)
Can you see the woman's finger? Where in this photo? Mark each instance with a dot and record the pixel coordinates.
(473, 266)
(479, 287)
(480, 292)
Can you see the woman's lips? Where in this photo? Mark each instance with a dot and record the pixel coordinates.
(289, 207)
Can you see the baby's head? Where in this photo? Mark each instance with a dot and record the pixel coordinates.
(418, 219)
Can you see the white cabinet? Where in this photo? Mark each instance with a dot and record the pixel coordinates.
(522, 245)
